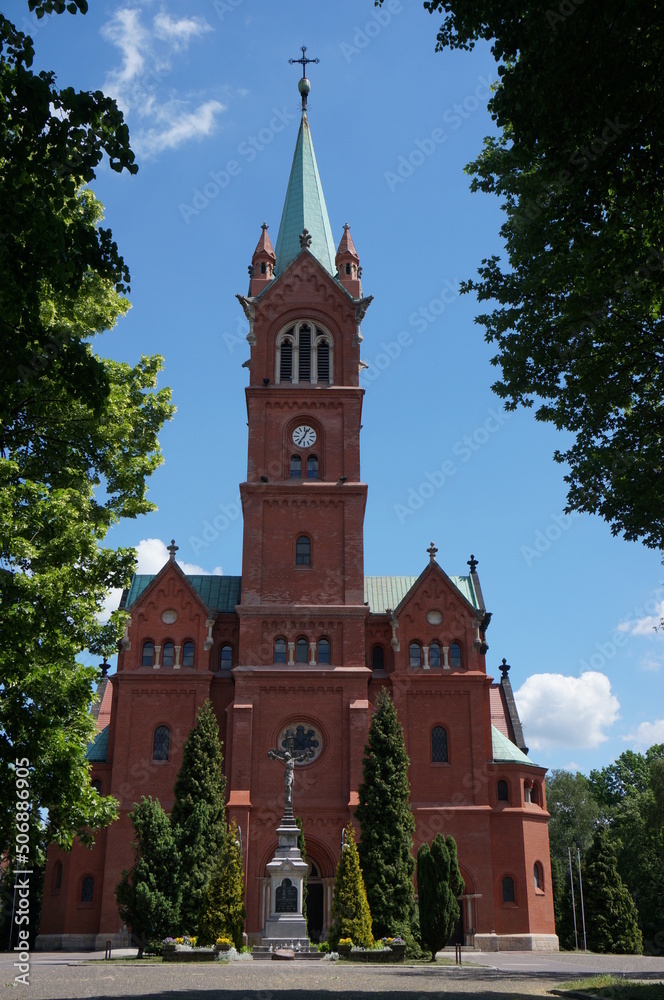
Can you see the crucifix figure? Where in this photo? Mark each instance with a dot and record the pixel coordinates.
(289, 758)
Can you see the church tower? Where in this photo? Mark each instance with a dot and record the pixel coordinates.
(302, 616)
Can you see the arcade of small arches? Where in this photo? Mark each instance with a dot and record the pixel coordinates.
(302, 650)
(304, 353)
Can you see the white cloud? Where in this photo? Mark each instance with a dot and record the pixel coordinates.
(561, 711)
(651, 663)
(138, 83)
(649, 733)
(151, 556)
(177, 127)
(179, 31)
(645, 624)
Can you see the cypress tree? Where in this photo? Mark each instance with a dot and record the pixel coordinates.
(611, 917)
(439, 883)
(198, 816)
(223, 912)
(387, 825)
(302, 846)
(351, 917)
(149, 895)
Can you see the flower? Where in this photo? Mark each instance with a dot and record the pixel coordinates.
(346, 942)
(223, 940)
(168, 940)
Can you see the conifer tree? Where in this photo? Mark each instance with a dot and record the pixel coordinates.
(302, 846)
(611, 917)
(223, 912)
(351, 917)
(387, 825)
(198, 816)
(149, 895)
(439, 883)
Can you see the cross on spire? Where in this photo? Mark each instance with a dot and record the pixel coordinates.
(303, 60)
(172, 549)
(473, 563)
(303, 84)
(432, 552)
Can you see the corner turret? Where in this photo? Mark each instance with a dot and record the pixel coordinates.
(263, 263)
(348, 264)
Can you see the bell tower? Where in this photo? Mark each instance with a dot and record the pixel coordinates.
(303, 501)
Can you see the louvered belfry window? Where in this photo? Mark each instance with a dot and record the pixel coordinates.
(304, 353)
(304, 350)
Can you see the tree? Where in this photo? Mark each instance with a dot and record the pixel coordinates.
(198, 816)
(439, 884)
(387, 824)
(302, 847)
(628, 775)
(574, 811)
(611, 917)
(351, 917)
(223, 912)
(78, 435)
(149, 895)
(577, 163)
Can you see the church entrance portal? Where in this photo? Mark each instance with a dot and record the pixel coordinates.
(315, 904)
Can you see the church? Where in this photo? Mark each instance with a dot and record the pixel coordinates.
(304, 641)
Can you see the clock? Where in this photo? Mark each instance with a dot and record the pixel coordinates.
(304, 436)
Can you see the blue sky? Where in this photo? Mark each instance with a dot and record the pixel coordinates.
(213, 111)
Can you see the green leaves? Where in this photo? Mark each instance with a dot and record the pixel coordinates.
(576, 311)
(439, 883)
(387, 823)
(351, 917)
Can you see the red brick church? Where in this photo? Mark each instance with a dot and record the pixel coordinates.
(303, 640)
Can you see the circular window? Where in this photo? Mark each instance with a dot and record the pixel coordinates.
(434, 617)
(305, 737)
(169, 617)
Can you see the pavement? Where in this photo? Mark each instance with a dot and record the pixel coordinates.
(495, 976)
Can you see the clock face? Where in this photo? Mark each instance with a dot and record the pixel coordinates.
(304, 436)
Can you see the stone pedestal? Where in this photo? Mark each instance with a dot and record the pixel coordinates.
(286, 925)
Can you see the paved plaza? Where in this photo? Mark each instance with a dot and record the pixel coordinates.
(517, 975)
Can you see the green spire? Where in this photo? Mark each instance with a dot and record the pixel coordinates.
(304, 208)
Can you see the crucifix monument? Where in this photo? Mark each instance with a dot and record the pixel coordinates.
(286, 925)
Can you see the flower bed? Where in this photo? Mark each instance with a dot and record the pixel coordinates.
(391, 950)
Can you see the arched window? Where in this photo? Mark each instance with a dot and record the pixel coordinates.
(538, 876)
(415, 654)
(87, 889)
(348, 269)
(323, 650)
(263, 268)
(434, 654)
(535, 796)
(303, 551)
(455, 655)
(377, 658)
(226, 657)
(323, 361)
(296, 467)
(509, 895)
(57, 876)
(168, 658)
(286, 360)
(302, 651)
(161, 743)
(147, 660)
(96, 784)
(280, 650)
(304, 354)
(503, 791)
(188, 654)
(312, 466)
(439, 745)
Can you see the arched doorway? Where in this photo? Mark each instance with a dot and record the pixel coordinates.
(315, 903)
